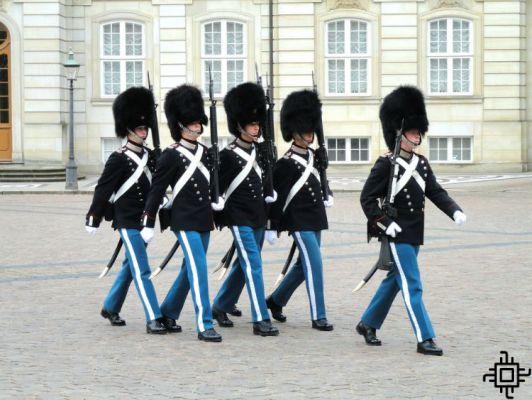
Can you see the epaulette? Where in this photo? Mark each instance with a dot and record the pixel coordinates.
(287, 155)
(121, 150)
(173, 146)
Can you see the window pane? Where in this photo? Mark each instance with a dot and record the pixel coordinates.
(133, 39)
(359, 76)
(213, 38)
(341, 155)
(438, 36)
(235, 38)
(235, 73)
(111, 77)
(216, 69)
(359, 37)
(460, 36)
(461, 72)
(133, 73)
(438, 75)
(336, 76)
(336, 38)
(111, 39)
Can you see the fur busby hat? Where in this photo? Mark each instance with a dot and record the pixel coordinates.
(244, 104)
(132, 108)
(405, 102)
(300, 113)
(184, 104)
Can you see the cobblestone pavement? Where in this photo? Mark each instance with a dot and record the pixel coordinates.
(477, 282)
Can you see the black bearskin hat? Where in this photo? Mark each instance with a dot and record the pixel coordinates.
(244, 104)
(132, 108)
(405, 102)
(300, 113)
(184, 104)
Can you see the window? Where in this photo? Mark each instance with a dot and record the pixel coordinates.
(348, 150)
(223, 49)
(450, 149)
(122, 54)
(108, 146)
(347, 57)
(450, 60)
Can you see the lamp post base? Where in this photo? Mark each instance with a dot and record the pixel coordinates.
(71, 176)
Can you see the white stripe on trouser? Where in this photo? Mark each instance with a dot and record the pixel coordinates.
(406, 292)
(195, 281)
(143, 295)
(310, 279)
(249, 274)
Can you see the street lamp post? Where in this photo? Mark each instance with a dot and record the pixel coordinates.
(72, 67)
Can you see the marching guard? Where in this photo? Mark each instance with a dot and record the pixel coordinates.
(120, 195)
(244, 212)
(403, 115)
(184, 166)
(300, 207)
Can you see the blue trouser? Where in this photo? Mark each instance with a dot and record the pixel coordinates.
(309, 268)
(406, 278)
(135, 267)
(193, 274)
(247, 269)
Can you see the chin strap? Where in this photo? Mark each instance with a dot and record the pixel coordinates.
(243, 132)
(142, 141)
(190, 131)
(414, 145)
(306, 141)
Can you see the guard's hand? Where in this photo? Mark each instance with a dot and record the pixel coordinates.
(91, 230)
(459, 218)
(393, 229)
(164, 202)
(272, 198)
(147, 234)
(219, 205)
(329, 202)
(271, 237)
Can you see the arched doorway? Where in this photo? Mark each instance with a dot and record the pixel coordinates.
(6, 140)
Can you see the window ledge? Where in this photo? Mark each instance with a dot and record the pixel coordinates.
(102, 101)
(350, 99)
(454, 99)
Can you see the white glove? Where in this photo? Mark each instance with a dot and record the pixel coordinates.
(91, 230)
(393, 229)
(271, 199)
(459, 217)
(164, 202)
(147, 234)
(271, 237)
(329, 202)
(218, 206)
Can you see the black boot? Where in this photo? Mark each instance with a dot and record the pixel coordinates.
(265, 328)
(369, 334)
(235, 312)
(155, 327)
(210, 335)
(429, 347)
(113, 317)
(170, 324)
(322, 325)
(222, 318)
(276, 310)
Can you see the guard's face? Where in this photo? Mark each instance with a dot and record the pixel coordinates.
(195, 126)
(141, 132)
(251, 131)
(414, 139)
(308, 137)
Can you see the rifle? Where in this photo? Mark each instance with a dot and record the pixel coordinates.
(157, 150)
(385, 260)
(321, 152)
(215, 153)
(268, 149)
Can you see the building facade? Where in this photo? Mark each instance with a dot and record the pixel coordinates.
(471, 58)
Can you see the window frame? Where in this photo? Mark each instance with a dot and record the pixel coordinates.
(347, 57)
(450, 55)
(223, 57)
(450, 149)
(122, 58)
(348, 149)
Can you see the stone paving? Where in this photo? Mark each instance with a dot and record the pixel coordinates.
(477, 281)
